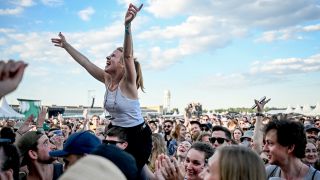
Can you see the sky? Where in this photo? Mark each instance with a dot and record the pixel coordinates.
(221, 53)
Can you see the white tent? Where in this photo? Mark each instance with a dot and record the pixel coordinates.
(298, 110)
(306, 110)
(289, 110)
(316, 110)
(6, 111)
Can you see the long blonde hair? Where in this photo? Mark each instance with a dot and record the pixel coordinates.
(233, 163)
(139, 79)
(158, 147)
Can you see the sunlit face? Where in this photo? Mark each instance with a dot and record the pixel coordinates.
(276, 153)
(65, 130)
(43, 148)
(237, 134)
(194, 164)
(311, 154)
(183, 132)
(167, 127)
(113, 61)
(220, 134)
(183, 148)
(188, 137)
(205, 139)
(195, 128)
(153, 127)
(212, 172)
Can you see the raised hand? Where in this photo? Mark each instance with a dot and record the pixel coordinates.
(41, 117)
(25, 127)
(131, 13)
(11, 74)
(60, 42)
(260, 105)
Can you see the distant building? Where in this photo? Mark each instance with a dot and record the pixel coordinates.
(166, 102)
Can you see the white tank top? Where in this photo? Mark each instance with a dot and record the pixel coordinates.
(126, 112)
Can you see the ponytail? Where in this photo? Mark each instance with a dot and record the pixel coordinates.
(139, 80)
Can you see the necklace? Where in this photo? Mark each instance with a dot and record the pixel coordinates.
(115, 97)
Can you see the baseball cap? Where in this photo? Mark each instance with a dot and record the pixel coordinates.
(78, 143)
(28, 141)
(310, 127)
(247, 134)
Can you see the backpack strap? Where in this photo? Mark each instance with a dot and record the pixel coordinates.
(314, 173)
(273, 172)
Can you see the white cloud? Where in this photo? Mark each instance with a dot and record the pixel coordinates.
(287, 33)
(287, 66)
(53, 3)
(258, 13)
(9, 11)
(196, 34)
(24, 3)
(127, 2)
(85, 14)
(6, 30)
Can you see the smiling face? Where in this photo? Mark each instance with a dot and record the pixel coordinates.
(183, 148)
(194, 164)
(276, 153)
(311, 154)
(113, 62)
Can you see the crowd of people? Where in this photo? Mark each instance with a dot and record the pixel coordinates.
(129, 146)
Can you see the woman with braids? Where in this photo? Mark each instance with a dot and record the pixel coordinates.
(122, 78)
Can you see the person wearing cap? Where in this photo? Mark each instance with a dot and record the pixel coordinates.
(221, 136)
(34, 148)
(312, 132)
(76, 146)
(246, 139)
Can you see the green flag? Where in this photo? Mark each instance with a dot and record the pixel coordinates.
(28, 107)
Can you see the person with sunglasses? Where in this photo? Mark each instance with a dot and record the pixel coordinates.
(117, 136)
(220, 136)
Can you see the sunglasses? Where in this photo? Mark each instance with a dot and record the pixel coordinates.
(220, 140)
(112, 142)
(167, 126)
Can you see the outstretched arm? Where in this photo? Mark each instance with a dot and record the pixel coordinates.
(94, 70)
(258, 133)
(128, 45)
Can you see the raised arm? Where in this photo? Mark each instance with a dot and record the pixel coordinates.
(128, 45)
(11, 74)
(94, 70)
(258, 133)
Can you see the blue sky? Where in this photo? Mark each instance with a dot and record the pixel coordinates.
(221, 53)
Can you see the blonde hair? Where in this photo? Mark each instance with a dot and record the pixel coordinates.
(159, 146)
(233, 163)
(139, 79)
